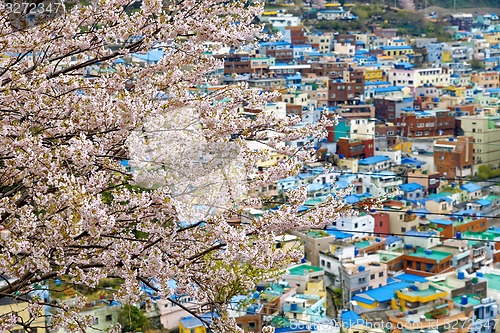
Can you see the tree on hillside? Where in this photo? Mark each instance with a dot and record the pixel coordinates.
(132, 319)
(80, 96)
(407, 4)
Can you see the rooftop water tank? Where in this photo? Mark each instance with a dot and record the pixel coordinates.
(294, 307)
(461, 275)
(356, 252)
(361, 268)
(479, 274)
(408, 246)
(459, 235)
(428, 251)
(464, 300)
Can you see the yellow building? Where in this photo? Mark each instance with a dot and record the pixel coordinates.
(374, 75)
(422, 295)
(9, 305)
(398, 50)
(191, 324)
(492, 38)
(455, 91)
(446, 56)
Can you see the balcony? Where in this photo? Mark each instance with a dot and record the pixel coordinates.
(479, 258)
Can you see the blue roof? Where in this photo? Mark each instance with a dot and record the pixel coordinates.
(376, 83)
(493, 90)
(382, 294)
(152, 56)
(398, 47)
(388, 89)
(421, 211)
(302, 46)
(470, 187)
(416, 233)
(383, 174)
(191, 322)
(484, 202)
(412, 161)
(350, 318)
(373, 160)
(315, 54)
(351, 199)
(340, 184)
(338, 234)
(305, 175)
(466, 212)
(280, 43)
(442, 222)
(362, 299)
(410, 187)
(314, 187)
(392, 239)
(410, 278)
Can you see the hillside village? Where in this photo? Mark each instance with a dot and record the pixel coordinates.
(418, 125)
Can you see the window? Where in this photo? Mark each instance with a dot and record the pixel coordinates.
(95, 321)
(251, 325)
(323, 262)
(403, 229)
(109, 318)
(380, 274)
(328, 265)
(420, 125)
(372, 277)
(361, 280)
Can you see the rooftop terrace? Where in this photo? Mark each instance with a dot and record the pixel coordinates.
(433, 255)
(303, 270)
(493, 281)
(471, 299)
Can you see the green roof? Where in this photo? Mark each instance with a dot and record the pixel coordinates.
(361, 245)
(317, 234)
(493, 281)
(303, 270)
(486, 235)
(387, 257)
(434, 255)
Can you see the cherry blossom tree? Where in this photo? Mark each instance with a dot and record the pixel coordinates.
(407, 4)
(74, 106)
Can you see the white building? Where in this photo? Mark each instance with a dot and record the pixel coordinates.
(362, 224)
(419, 77)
